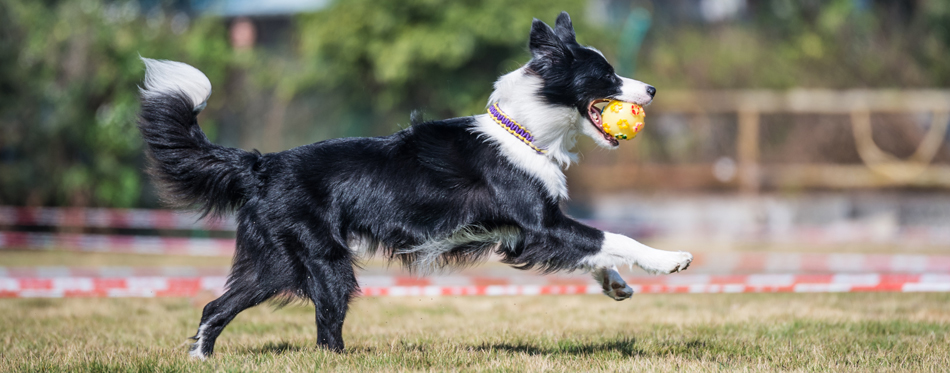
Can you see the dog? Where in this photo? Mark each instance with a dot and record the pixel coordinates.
(437, 194)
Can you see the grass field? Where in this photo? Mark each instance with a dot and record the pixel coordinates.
(786, 332)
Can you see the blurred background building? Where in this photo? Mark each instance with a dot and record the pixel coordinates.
(777, 123)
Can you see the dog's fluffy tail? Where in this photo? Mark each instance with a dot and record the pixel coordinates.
(190, 171)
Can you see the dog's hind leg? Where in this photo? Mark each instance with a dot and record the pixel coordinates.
(332, 286)
(253, 280)
(242, 294)
(219, 312)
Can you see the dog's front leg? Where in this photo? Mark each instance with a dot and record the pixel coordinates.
(595, 250)
(619, 250)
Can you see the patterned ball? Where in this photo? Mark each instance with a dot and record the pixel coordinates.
(622, 120)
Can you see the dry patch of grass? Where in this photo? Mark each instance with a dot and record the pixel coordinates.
(798, 332)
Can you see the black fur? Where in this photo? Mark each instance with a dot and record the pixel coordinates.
(298, 209)
(573, 75)
(192, 172)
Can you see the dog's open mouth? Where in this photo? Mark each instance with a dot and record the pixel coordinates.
(594, 110)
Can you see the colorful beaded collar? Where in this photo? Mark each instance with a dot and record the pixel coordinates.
(513, 127)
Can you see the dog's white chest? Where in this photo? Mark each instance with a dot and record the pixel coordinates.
(543, 169)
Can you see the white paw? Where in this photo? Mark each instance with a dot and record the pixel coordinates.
(195, 352)
(614, 286)
(668, 262)
(197, 355)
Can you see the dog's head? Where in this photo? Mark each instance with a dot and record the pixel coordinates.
(580, 77)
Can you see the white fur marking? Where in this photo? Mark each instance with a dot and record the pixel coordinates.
(195, 352)
(546, 171)
(619, 250)
(169, 77)
(634, 91)
(554, 128)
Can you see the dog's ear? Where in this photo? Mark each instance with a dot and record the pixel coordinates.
(544, 43)
(565, 29)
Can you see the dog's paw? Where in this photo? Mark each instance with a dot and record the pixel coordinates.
(618, 292)
(669, 262)
(614, 286)
(195, 352)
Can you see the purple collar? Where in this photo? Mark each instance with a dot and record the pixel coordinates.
(513, 127)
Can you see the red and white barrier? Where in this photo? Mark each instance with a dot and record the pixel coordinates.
(117, 243)
(473, 278)
(764, 283)
(71, 287)
(109, 218)
(751, 272)
(111, 271)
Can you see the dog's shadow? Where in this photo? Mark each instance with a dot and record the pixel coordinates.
(626, 347)
(275, 348)
(279, 348)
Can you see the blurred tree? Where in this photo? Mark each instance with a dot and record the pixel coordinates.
(782, 44)
(69, 73)
(379, 60)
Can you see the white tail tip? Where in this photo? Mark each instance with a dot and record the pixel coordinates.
(164, 77)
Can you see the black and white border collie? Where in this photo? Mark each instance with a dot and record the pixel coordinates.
(437, 194)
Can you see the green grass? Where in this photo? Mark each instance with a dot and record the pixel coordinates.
(728, 332)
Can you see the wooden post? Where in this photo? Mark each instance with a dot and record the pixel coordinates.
(748, 151)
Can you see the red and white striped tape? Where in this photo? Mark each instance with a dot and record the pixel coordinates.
(117, 243)
(109, 218)
(109, 287)
(467, 280)
(191, 286)
(49, 271)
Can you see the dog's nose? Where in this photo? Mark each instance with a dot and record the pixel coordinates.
(651, 91)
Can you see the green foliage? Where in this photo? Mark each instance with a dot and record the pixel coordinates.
(386, 58)
(71, 69)
(70, 72)
(829, 44)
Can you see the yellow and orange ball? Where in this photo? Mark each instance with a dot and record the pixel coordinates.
(622, 120)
